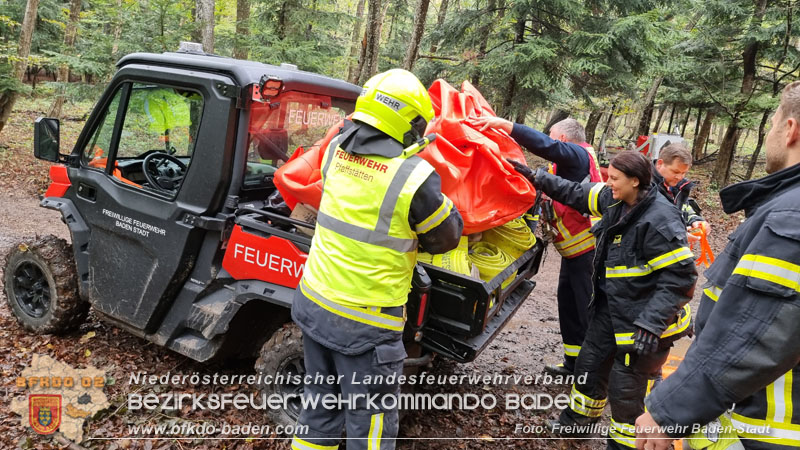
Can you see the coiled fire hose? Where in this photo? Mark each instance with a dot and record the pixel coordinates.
(490, 261)
(514, 238)
(455, 260)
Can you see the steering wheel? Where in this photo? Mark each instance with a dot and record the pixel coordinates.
(160, 176)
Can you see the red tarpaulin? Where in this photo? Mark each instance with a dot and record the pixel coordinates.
(475, 175)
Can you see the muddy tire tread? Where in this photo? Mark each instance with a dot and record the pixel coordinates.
(69, 311)
(286, 341)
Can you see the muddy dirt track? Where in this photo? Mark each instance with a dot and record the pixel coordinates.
(529, 342)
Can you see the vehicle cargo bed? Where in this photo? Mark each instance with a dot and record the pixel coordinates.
(463, 313)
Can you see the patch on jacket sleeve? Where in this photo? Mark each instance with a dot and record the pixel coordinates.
(671, 230)
(785, 223)
(771, 264)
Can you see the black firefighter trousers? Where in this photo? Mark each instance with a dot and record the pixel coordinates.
(368, 409)
(574, 293)
(621, 379)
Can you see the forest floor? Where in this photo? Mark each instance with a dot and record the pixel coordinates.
(528, 342)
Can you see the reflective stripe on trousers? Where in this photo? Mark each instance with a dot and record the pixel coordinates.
(572, 350)
(586, 405)
(375, 432)
(622, 433)
(300, 444)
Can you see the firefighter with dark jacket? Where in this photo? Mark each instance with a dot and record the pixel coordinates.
(671, 167)
(643, 277)
(747, 349)
(573, 159)
(380, 202)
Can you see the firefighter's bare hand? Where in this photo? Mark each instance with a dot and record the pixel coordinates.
(645, 342)
(484, 123)
(700, 225)
(523, 170)
(650, 436)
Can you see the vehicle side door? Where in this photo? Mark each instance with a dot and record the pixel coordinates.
(146, 230)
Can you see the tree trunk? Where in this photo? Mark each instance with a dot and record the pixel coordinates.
(754, 159)
(8, 98)
(374, 64)
(511, 87)
(608, 125)
(725, 157)
(240, 44)
(591, 124)
(671, 117)
(439, 23)
(722, 169)
(69, 45)
(643, 129)
(372, 41)
(116, 30)
(556, 116)
(658, 119)
(484, 32)
(361, 57)
(282, 15)
(205, 21)
(352, 64)
(686, 121)
(390, 34)
(697, 121)
(522, 114)
(701, 140)
(419, 26)
(650, 97)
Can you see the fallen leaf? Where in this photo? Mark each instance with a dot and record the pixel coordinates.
(87, 336)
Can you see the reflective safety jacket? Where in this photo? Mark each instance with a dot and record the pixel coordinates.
(679, 195)
(574, 229)
(574, 162)
(593, 154)
(747, 350)
(358, 272)
(642, 262)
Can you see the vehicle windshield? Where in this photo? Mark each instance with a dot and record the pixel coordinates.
(290, 121)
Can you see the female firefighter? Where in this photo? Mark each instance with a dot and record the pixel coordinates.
(644, 274)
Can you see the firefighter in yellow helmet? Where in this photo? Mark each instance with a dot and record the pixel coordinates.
(380, 202)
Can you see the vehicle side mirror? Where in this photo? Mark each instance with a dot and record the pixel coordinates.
(46, 139)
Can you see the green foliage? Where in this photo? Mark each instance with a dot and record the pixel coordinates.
(522, 54)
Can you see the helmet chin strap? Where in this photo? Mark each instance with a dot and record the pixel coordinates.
(418, 126)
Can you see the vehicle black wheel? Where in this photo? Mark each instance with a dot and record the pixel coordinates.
(282, 355)
(42, 288)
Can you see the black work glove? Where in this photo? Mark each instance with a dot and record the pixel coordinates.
(523, 170)
(645, 342)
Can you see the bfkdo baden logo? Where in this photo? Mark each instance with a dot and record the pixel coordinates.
(56, 397)
(44, 412)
